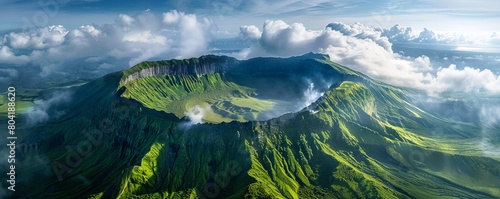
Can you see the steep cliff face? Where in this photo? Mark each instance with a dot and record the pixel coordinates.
(196, 66)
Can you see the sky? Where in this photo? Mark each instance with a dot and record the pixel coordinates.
(445, 15)
(436, 46)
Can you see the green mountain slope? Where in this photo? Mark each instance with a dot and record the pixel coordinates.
(126, 136)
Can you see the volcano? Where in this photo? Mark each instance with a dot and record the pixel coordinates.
(218, 127)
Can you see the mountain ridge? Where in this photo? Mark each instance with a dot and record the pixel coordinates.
(247, 80)
(358, 139)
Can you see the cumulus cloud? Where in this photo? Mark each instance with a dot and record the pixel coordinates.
(135, 38)
(125, 20)
(7, 56)
(354, 46)
(467, 79)
(400, 34)
(250, 32)
(281, 39)
(193, 32)
(40, 38)
(360, 31)
(367, 50)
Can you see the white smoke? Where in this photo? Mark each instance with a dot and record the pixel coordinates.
(195, 115)
(313, 111)
(311, 95)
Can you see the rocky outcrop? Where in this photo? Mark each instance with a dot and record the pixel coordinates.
(201, 66)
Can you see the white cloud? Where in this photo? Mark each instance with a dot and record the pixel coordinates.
(125, 19)
(40, 38)
(39, 113)
(422, 63)
(399, 34)
(360, 31)
(193, 32)
(468, 80)
(179, 35)
(250, 32)
(136, 38)
(280, 39)
(145, 37)
(171, 17)
(7, 56)
(366, 50)
(94, 32)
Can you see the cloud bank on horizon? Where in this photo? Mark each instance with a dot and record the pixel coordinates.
(370, 51)
(174, 34)
(136, 38)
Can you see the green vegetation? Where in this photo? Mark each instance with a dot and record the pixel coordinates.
(253, 103)
(21, 105)
(361, 139)
(223, 100)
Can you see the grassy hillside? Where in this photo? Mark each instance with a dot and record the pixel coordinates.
(360, 139)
